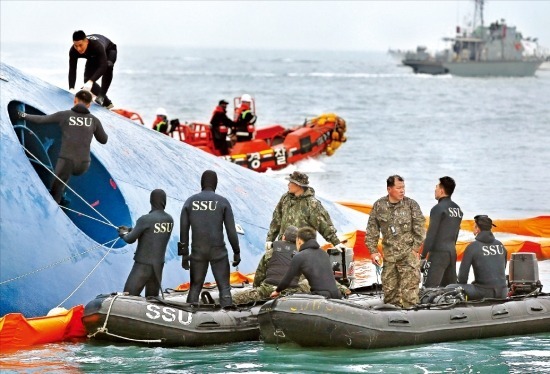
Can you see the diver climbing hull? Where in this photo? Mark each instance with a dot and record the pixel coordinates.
(365, 322)
(167, 322)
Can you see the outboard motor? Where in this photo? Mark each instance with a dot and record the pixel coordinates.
(523, 275)
(342, 260)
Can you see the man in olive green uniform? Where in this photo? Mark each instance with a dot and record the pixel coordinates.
(299, 207)
(271, 269)
(401, 223)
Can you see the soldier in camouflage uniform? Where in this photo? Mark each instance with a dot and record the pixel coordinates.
(299, 207)
(271, 269)
(401, 223)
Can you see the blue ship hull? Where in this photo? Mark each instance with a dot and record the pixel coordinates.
(50, 256)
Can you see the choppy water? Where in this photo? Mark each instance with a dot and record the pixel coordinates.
(491, 135)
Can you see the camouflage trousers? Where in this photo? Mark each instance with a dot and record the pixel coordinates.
(400, 281)
(263, 292)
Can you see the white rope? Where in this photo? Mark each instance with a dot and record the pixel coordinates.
(87, 216)
(57, 262)
(66, 185)
(90, 273)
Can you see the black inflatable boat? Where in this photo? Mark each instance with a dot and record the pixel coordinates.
(364, 321)
(168, 321)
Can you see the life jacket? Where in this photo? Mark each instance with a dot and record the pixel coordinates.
(279, 263)
(161, 124)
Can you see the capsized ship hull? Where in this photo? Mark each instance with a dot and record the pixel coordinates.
(50, 256)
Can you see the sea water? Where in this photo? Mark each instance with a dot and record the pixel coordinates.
(490, 134)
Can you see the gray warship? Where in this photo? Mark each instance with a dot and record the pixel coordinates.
(494, 50)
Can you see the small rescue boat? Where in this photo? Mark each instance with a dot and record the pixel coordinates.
(272, 147)
(364, 321)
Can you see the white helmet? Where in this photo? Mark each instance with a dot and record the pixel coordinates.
(161, 112)
(246, 97)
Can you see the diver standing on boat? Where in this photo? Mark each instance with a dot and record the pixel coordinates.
(488, 257)
(299, 207)
(206, 213)
(401, 223)
(314, 263)
(78, 127)
(220, 127)
(245, 120)
(100, 54)
(152, 231)
(440, 244)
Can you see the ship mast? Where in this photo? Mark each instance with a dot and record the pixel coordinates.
(478, 14)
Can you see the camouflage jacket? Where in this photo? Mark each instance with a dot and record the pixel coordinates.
(261, 270)
(401, 226)
(301, 211)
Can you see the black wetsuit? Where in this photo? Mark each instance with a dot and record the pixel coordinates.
(206, 213)
(152, 232)
(78, 127)
(219, 118)
(314, 264)
(100, 56)
(488, 258)
(440, 243)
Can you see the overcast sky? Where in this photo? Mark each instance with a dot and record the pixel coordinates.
(328, 25)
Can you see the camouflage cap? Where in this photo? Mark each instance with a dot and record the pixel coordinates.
(299, 178)
(290, 233)
(484, 222)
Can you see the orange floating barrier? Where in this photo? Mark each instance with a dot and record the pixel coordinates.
(356, 240)
(534, 226)
(234, 278)
(17, 332)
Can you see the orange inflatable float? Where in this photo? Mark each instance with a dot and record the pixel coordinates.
(17, 332)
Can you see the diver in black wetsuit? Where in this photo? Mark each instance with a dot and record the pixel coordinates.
(152, 232)
(314, 264)
(488, 258)
(440, 242)
(206, 213)
(78, 127)
(100, 54)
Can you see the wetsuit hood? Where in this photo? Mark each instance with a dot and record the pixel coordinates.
(485, 236)
(80, 108)
(209, 180)
(158, 199)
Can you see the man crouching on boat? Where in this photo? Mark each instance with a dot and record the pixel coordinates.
(314, 263)
(271, 269)
(206, 213)
(152, 232)
(488, 258)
